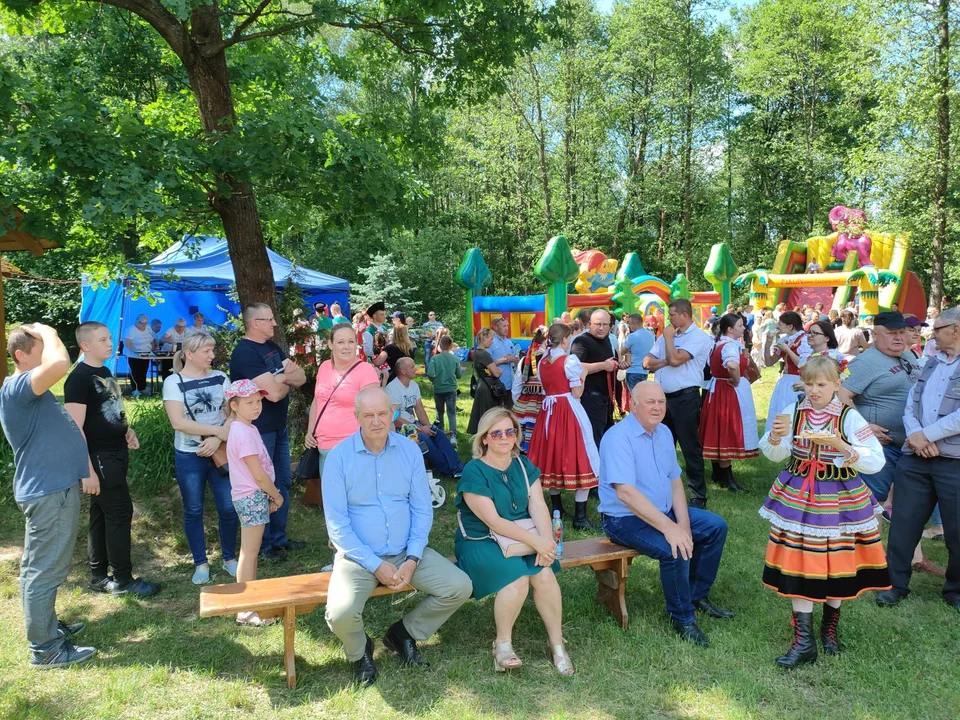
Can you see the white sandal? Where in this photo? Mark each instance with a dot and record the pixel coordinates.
(561, 661)
(252, 619)
(504, 658)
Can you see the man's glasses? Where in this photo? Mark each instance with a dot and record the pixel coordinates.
(269, 319)
(500, 434)
(943, 327)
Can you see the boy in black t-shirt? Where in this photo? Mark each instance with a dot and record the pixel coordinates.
(92, 397)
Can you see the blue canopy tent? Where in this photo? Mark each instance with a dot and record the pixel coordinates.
(195, 275)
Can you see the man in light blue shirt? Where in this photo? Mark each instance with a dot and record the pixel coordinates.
(503, 350)
(639, 343)
(643, 506)
(376, 501)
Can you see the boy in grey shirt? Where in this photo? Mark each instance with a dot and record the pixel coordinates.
(50, 459)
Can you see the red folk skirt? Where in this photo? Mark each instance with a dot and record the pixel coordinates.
(560, 452)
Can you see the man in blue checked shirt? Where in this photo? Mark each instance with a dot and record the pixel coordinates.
(376, 500)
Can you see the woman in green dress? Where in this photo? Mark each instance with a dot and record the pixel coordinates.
(487, 371)
(497, 487)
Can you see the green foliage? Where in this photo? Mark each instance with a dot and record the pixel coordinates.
(381, 281)
(151, 467)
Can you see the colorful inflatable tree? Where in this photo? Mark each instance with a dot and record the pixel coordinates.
(473, 275)
(624, 299)
(555, 268)
(680, 288)
(721, 271)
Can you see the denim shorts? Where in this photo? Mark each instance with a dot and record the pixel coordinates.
(253, 509)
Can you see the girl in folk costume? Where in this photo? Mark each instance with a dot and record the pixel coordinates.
(562, 445)
(825, 543)
(794, 351)
(728, 421)
(527, 391)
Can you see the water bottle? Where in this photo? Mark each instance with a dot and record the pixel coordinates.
(557, 525)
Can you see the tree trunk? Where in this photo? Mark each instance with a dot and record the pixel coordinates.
(234, 200)
(130, 241)
(688, 149)
(541, 136)
(943, 152)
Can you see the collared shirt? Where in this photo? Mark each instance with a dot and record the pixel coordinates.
(629, 455)
(933, 426)
(376, 505)
(696, 342)
(499, 348)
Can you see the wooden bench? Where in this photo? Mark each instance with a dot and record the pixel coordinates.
(287, 597)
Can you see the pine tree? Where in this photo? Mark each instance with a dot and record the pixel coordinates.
(381, 281)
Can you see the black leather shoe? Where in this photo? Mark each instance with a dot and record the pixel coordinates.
(691, 633)
(953, 602)
(398, 640)
(712, 610)
(830, 630)
(891, 597)
(291, 545)
(365, 669)
(67, 630)
(580, 519)
(137, 586)
(698, 503)
(272, 555)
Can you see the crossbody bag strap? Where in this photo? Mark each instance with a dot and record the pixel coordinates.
(186, 405)
(526, 478)
(320, 414)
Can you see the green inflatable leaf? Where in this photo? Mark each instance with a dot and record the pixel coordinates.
(556, 264)
(631, 268)
(624, 299)
(721, 267)
(473, 273)
(680, 288)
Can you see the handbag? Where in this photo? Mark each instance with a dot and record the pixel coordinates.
(219, 456)
(508, 546)
(753, 370)
(309, 465)
(497, 389)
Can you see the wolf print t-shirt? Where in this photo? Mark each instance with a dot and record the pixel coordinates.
(204, 396)
(105, 422)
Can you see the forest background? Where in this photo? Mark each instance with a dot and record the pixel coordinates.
(416, 130)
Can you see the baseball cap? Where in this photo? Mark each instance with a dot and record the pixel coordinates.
(243, 388)
(914, 321)
(714, 309)
(890, 321)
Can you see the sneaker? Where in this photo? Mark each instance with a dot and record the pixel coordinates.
(327, 568)
(66, 655)
(66, 630)
(201, 575)
(135, 394)
(230, 566)
(137, 586)
(101, 584)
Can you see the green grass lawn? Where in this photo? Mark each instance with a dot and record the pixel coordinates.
(158, 659)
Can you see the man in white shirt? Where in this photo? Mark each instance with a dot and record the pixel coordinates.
(678, 357)
(405, 394)
(929, 470)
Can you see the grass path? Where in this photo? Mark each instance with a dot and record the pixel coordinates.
(159, 660)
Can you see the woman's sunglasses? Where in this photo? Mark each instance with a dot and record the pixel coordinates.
(499, 434)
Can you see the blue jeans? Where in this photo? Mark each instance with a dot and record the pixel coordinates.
(634, 378)
(278, 448)
(684, 581)
(427, 354)
(448, 401)
(194, 473)
(441, 454)
(881, 482)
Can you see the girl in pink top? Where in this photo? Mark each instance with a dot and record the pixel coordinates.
(339, 379)
(252, 486)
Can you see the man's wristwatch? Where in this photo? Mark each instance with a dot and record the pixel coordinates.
(414, 558)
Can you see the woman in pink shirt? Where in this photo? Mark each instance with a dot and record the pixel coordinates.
(339, 379)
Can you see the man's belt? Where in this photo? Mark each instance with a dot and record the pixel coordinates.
(685, 391)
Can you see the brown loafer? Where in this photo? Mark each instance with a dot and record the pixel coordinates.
(931, 568)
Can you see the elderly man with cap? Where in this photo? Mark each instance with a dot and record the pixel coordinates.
(929, 471)
(377, 314)
(376, 500)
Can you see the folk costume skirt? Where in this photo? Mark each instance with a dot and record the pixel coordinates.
(728, 422)
(562, 445)
(824, 536)
(526, 408)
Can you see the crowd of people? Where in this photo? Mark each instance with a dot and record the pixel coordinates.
(850, 433)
